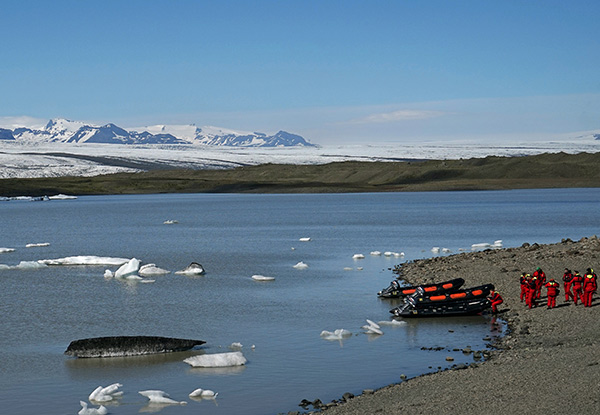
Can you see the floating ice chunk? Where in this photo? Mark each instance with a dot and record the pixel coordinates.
(305, 239)
(236, 346)
(147, 281)
(85, 260)
(391, 323)
(372, 328)
(301, 265)
(435, 249)
(375, 253)
(262, 278)
(217, 360)
(446, 250)
(108, 274)
(37, 245)
(193, 269)
(62, 197)
(30, 265)
(338, 334)
(151, 269)
(388, 253)
(348, 268)
(105, 394)
(398, 254)
(498, 243)
(358, 256)
(130, 268)
(359, 268)
(158, 396)
(170, 222)
(85, 410)
(203, 393)
(5, 250)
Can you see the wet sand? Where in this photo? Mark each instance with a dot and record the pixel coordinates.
(549, 362)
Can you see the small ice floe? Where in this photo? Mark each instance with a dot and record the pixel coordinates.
(446, 250)
(358, 256)
(217, 360)
(203, 393)
(388, 253)
(37, 245)
(170, 222)
(158, 396)
(301, 265)
(305, 239)
(348, 268)
(85, 410)
(496, 245)
(108, 274)
(151, 269)
(376, 253)
(262, 278)
(236, 346)
(359, 268)
(106, 394)
(435, 249)
(193, 269)
(25, 265)
(85, 260)
(372, 328)
(393, 323)
(338, 334)
(6, 250)
(398, 254)
(62, 197)
(130, 268)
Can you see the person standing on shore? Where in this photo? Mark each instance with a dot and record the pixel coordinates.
(567, 281)
(540, 279)
(531, 290)
(577, 284)
(589, 287)
(523, 281)
(553, 290)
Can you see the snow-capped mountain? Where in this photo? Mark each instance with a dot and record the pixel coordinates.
(65, 131)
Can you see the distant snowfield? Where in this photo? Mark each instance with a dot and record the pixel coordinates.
(19, 160)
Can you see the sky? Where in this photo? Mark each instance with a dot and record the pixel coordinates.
(354, 72)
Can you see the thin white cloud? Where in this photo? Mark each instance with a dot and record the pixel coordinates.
(22, 121)
(399, 115)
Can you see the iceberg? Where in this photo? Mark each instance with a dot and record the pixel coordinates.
(358, 256)
(301, 265)
(37, 245)
(130, 268)
(217, 360)
(158, 396)
(151, 269)
(338, 334)
(262, 278)
(193, 269)
(84, 260)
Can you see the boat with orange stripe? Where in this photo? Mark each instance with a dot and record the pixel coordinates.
(461, 302)
(396, 291)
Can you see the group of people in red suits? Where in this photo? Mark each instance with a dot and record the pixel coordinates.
(583, 287)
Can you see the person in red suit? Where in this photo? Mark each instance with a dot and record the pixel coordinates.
(496, 300)
(523, 281)
(531, 288)
(553, 290)
(540, 278)
(567, 281)
(577, 283)
(590, 286)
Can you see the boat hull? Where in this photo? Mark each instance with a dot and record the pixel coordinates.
(395, 291)
(128, 346)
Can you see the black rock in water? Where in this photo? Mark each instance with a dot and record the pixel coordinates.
(128, 346)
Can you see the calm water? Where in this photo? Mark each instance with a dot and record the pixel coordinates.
(235, 237)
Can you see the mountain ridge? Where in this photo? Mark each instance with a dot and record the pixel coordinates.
(67, 131)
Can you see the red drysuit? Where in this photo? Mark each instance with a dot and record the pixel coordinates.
(553, 289)
(496, 300)
(567, 281)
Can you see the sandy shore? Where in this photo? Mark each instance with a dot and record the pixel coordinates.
(548, 363)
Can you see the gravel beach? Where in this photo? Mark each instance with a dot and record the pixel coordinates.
(549, 362)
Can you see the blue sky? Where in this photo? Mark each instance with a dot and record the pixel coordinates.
(332, 71)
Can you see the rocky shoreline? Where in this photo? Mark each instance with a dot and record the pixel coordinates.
(547, 363)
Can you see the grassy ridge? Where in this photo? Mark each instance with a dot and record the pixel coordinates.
(490, 173)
